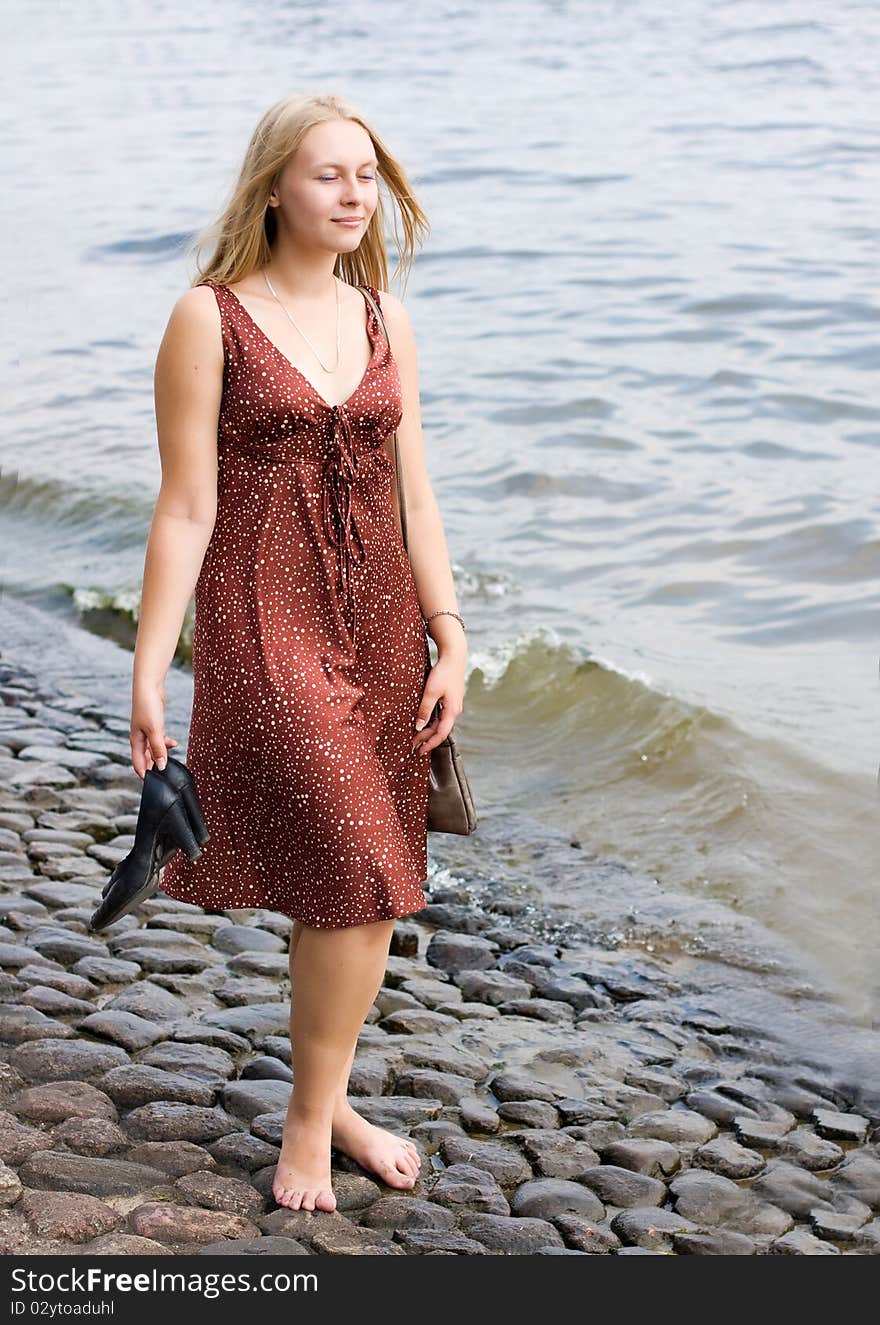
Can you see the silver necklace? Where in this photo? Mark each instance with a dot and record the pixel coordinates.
(300, 330)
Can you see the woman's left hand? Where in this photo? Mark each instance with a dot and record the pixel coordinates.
(445, 682)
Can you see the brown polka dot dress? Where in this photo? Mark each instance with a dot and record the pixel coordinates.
(309, 651)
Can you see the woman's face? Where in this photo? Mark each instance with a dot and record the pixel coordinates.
(332, 175)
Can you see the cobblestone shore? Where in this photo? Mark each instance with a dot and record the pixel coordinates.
(563, 1104)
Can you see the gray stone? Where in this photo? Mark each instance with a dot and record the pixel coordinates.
(124, 1028)
(170, 1121)
(465, 1186)
(547, 1197)
(424, 1083)
(714, 1201)
(258, 1019)
(248, 1099)
(134, 1084)
(19, 1025)
(495, 987)
(656, 1159)
(458, 952)
(107, 970)
(174, 1158)
(724, 1155)
(623, 1187)
(205, 1062)
(145, 999)
(76, 1218)
(518, 1086)
(164, 1221)
(216, 1192)
(841, 1126)
(646, 1226)
(673, 1125)
(801, 1243)
(720, 1242)
(510, 1237)
(555, 1155)
(507, 1165)
(90, 1136)
(246, 938)
(530, 1113)
(54, 1102)
(56, 1170)
(392, 1212)
(65, 1060)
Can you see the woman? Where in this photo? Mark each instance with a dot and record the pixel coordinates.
(313, 684)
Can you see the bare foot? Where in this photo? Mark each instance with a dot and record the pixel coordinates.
(302, 1175)
(394, 1159)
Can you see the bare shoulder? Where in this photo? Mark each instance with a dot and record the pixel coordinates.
(397, 320)
(194, 325)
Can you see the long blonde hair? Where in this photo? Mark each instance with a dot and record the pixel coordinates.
(245, 229)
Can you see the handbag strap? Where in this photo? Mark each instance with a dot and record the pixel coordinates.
(401, 500)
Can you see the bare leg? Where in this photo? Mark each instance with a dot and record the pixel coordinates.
(334, 975)
(394, 1159)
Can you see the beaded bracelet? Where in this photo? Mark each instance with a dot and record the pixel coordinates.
(444, 611)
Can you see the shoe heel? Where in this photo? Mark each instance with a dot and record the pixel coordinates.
(180, 830)
(196, 818)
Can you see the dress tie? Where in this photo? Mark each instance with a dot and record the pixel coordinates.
(340, 527)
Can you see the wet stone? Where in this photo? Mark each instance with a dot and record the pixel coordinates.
(258, 1019)
(840, 1126)
(553, 1154)
(145, 999)
(507, 1165)
(724, 1155)
(545, 1198)
(836, 1225)
(714, 1201)
(803, 1147)
(655, 1159)
(467, 1187)
(392, 1212)
(51, 977)
(445, 1086)
(459, 952)
(63, 945)
(261, 1246)
(799, 1242)
(673, 1125)
(494, 987)
(646, 1226)
(426, 1241)
(623, 1187)
(720, 1242)
(266, 1068)
(416, 1021)
(510, 1237)
(517, 1086)
(123, 1244)
(529, 1113)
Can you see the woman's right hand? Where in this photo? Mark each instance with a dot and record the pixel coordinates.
(149, 742)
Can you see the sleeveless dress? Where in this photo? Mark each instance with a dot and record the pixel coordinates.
(309, 651)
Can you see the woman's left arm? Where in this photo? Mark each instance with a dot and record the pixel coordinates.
(426, 540)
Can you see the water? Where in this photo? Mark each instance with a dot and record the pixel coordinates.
(647, 326)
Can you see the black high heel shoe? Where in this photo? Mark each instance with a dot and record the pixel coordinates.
(162, 828)
(181, 779)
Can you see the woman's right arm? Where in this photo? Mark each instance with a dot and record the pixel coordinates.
(188, 385)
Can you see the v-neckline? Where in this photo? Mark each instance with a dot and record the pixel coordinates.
(299, 371)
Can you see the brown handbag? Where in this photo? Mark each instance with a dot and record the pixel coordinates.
(450, 802)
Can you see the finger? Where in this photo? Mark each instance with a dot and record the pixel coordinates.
(425, 734)
(157, 749)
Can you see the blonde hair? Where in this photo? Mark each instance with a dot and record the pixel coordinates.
(245, 229)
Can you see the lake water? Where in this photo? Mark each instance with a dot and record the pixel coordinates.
(647, 319)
